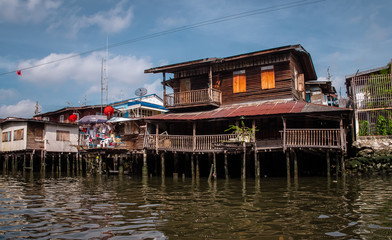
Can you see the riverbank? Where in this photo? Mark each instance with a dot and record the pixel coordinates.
(373, 156)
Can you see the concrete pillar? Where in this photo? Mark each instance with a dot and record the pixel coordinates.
(175, 167)
(144, 169)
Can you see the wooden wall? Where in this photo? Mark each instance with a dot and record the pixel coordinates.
(254, 92)
(35, 136)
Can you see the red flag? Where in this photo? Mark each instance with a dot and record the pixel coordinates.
(19, 72)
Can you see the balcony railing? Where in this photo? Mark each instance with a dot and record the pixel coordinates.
(291, 138)
(209, 96)
(314, 138)
(185, 143)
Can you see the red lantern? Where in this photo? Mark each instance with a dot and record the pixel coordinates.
(108, 111)
(73, 118)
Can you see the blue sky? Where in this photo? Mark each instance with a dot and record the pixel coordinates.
(344, 35)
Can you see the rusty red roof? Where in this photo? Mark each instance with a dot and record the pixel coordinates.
(250, 109)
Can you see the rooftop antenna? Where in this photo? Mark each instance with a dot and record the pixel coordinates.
(329, 74)
(104, 77)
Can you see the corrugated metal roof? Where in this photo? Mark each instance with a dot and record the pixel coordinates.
(251, 109)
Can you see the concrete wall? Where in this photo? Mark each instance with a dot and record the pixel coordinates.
(52, 145)
(14, 145)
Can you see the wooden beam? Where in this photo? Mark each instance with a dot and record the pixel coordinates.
(288, 164)
(164, 88)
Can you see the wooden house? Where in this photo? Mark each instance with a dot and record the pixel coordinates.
(264, 90)
(35, 139)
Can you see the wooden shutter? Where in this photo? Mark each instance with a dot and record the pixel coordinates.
(267, 77)
(239, 81)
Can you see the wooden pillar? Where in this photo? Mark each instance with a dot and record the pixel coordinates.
(144, 169)
(99, 163)
(197, 167)
(337, 167)
(192, 166)
(24, 163)
(194, 136)
(284, 136)
(244, 161)
(13, 163)
(226, 166)
(175, 167)
(156, 138)
(163, 165)
(214, 162)
(59, 163)
(5, 164)
(43, 161)
(328, 165)
(342, 165)
(210, 82)
(52, 158)
(288, 164)
(68, 165)
(295, 166)
(32, 162)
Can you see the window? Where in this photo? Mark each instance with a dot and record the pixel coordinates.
(62, 135)
(6, 137)
(239, 81)
(267, 77)
(45, 119)
(61, 118)
(18, 134)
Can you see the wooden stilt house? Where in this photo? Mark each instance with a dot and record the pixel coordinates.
(263, 90)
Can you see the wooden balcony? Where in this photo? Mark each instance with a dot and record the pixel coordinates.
(314, 138)
(193, 98)
(185, 143)
(291, 138)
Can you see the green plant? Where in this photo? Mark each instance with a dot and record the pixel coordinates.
(381, 125)
(244, 133)
(363, 128)
(389, 127)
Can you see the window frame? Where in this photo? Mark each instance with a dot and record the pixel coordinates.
(239, 76)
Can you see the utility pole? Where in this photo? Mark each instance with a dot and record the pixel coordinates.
(36, 108)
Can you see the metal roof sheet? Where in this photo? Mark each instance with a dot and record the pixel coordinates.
(253, 109)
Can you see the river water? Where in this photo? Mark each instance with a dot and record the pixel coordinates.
(123, 207)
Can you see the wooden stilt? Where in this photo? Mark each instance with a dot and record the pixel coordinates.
(68, 165)
(120, 165)
(342, 165)
(43, 161)
(226, 166)
(257, 164)
(214, 162)
(328, 165)
(60, 156)
(192, 167)
(24, 163)
(144, 169)
(52, 158)
(5, 164)
(32, 162)
(288, 164)
(197, 167)
(295, 166)
(337, 167)
(175, 167)
(163, 165)
(244, 162)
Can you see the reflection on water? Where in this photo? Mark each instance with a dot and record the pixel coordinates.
(101, 207)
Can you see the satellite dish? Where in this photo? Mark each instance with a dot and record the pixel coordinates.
(140, 92)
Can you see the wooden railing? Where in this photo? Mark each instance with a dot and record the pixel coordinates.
(313, 138)
(194, 97)
(186, 143)
(292, 138)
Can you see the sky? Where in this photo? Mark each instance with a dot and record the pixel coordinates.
(59, 45)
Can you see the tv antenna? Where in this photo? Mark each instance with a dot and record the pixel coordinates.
(141, 92)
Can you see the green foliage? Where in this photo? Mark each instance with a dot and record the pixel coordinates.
(363, 128)
(244, 133)
(381, 125)
(389, 127)
(386, 71)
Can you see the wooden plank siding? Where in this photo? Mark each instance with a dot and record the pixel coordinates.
(35, 136)
(254, 89)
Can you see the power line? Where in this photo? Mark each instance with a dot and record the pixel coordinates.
(179, 29)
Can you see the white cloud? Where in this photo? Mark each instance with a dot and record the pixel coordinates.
(23, 109)
(26, 11)
(125, 73)
(110, 21)
(7, 93)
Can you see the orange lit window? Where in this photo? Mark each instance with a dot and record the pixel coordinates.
(267, 77)
(239, 81)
